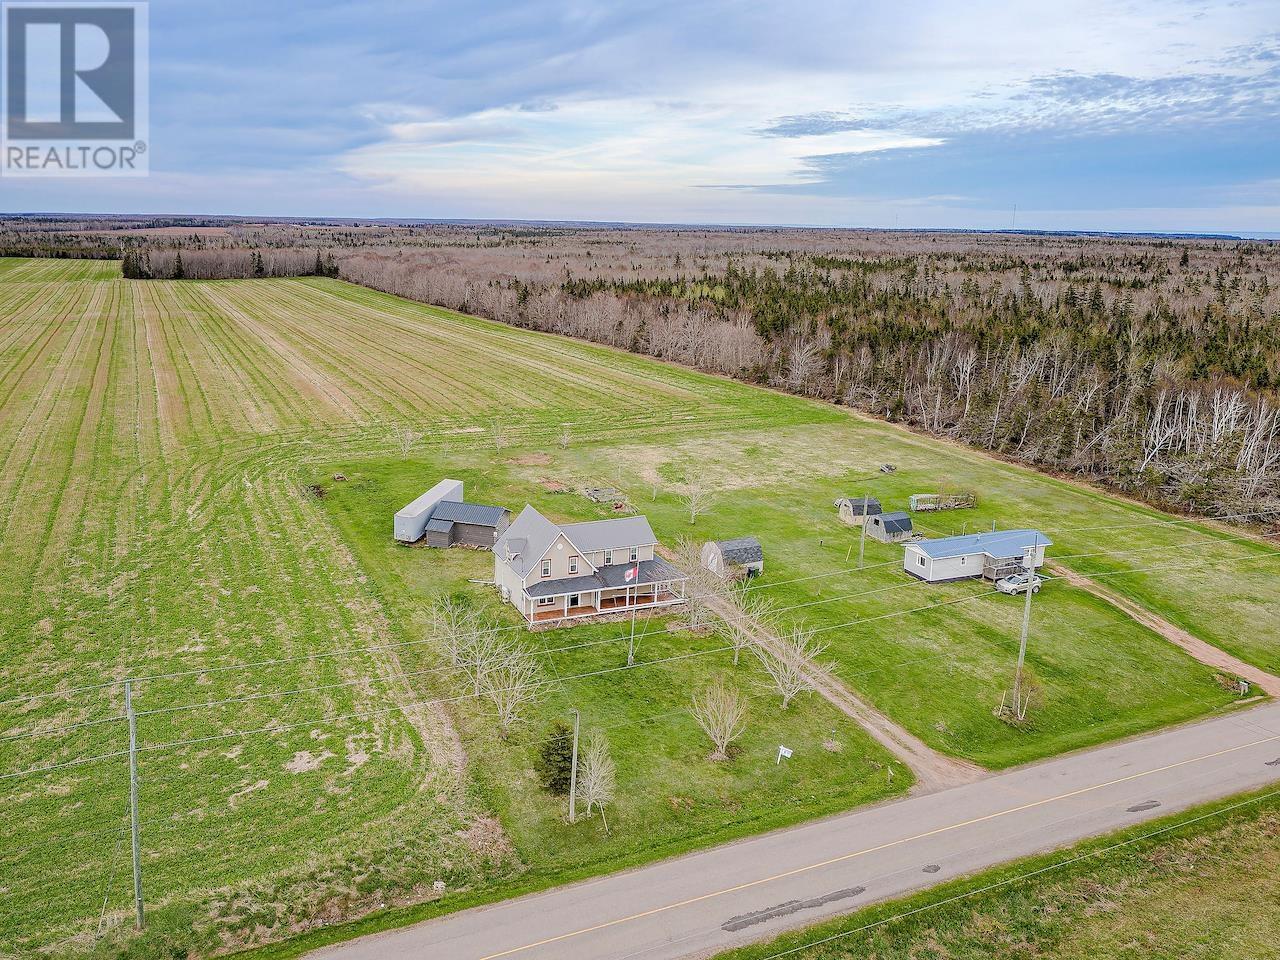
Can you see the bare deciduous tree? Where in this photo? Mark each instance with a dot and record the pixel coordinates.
(501, 436)
(721, 712)
(511, 685)
(698, 496)
(702, 588)
(405, 437)
(750, 615)
(791, 660)
(597, 778)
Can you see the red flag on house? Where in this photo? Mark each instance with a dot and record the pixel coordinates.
(633, 573)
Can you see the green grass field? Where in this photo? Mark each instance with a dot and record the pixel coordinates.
(158, 441)
(1206, 886)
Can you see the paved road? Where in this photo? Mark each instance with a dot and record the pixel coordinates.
(694, 905)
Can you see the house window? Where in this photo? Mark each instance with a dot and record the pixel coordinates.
(920, 559)
(608, 557)
(635, 554)
(546, 568)
(573, 564)
(546, 601)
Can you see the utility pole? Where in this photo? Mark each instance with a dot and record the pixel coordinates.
(631, 644)
(133, 802)
(1029, 564)
(573, 770)
(862, 541)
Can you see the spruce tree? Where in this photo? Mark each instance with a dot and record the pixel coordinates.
(555, 758)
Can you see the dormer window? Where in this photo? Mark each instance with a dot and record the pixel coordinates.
(573, 564)
(546, 569)
(608, 557)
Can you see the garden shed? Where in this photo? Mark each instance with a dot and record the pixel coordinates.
(892, 527)
(740, 557)
(853, 510)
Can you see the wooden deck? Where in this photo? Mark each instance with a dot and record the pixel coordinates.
(610, 605)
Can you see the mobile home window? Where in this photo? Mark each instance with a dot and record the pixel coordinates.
(573, 564)
(920, 559)
(546, 568)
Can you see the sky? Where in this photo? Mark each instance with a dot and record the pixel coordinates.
(1160, 115)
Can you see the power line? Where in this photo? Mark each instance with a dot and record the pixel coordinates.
(347, 651)
(822, 629)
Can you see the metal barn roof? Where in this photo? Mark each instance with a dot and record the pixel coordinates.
(1000, 544)
(439, 526)
(477, 513)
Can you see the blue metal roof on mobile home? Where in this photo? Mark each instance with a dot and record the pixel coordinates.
(1000, 544)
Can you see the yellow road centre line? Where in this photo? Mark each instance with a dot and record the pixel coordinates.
(875, 849)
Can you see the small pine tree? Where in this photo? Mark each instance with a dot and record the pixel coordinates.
(555, 759)
(178, 272)
(259, 266)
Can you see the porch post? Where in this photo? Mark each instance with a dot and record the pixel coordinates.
(566, 604)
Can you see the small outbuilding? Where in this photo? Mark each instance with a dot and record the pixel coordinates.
(445, 519)
(853, 510)
(892, 527)
(991, 555)
(740, 557)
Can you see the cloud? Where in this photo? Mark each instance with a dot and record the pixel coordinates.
(813, 124)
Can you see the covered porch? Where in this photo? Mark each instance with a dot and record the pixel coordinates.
(592, 603)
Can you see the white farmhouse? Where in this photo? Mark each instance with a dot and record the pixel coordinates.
(550, 571)
(991, 555)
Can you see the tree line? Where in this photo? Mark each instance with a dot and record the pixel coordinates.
(1151, 365)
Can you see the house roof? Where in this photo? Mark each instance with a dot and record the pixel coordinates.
(477, 513)
(999, 545)
(612, 534)
(612, 577)
(526, 540)
(741, 550)
(896, 522)
(532, 534)
(855, 504)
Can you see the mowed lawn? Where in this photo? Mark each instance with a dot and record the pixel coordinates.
(157, 444)
(670, 795)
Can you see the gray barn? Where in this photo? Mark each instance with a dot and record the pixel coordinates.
(468, 524)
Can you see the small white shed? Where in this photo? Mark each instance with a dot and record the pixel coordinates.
(411, 520)
(742, 556)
